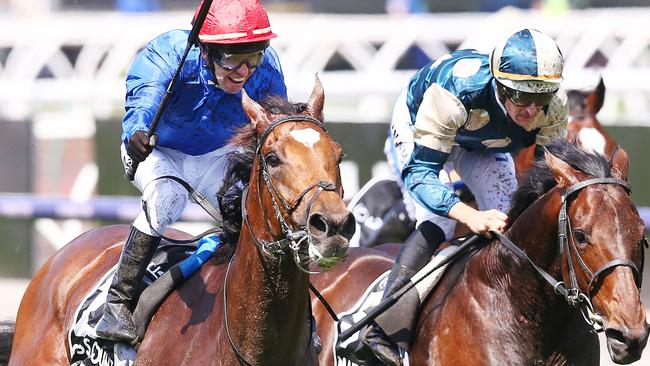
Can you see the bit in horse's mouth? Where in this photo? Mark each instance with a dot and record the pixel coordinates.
(327, 262)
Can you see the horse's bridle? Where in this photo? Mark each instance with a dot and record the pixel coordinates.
(572, 294)
(293, 237)
(291, 243)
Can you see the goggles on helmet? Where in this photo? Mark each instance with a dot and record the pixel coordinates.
(233, 61)
(523, 99)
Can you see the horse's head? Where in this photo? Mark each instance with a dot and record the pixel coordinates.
(297, 179)
(602, 249)
(584, 128)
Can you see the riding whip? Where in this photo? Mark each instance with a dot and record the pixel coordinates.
(391, 300)
(196, 27)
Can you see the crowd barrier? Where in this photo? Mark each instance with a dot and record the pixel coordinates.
(364, 61)
(112, 208)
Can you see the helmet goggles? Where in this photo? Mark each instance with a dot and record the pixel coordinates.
(233, 61)
(523, 99)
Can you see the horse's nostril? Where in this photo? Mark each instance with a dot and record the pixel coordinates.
(317, 224)
(349, 226)
(343, 224)
(616, 334)
(632, 339)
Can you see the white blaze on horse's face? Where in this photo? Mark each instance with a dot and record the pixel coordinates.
(307, 136)
(591, 139)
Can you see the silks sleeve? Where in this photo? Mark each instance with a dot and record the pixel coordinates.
(147, 81)
(438, 118)
(420, 176)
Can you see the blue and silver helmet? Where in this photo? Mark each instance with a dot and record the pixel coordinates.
(528, 61)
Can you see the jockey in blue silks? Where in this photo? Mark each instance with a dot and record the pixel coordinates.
(204, 111)
(468, 111)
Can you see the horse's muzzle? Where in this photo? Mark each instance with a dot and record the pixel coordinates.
(330, 235)
(626, 345)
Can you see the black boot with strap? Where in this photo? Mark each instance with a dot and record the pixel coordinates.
(117, 323)
(414, 255)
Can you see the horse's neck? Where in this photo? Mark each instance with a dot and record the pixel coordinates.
(532, 310)
(513, 278)
(267, 294)
(535, 232)
(500, 296)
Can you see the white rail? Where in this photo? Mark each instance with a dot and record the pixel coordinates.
(73, 61)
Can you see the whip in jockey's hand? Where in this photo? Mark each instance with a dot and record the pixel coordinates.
(226, 52)
(140, 146)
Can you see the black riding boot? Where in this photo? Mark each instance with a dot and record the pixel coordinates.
(414, 255)
(117, 323)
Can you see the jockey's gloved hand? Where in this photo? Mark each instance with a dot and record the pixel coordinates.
(139, 146)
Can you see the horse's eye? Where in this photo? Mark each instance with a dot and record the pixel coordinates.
(580, 236)
(272, 160)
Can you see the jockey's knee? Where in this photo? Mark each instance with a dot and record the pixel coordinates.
(165, 202)
(420, 245)
(433, 234)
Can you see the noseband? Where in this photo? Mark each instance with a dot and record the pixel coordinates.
(292, 237)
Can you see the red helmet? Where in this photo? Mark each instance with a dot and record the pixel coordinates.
(235, 21)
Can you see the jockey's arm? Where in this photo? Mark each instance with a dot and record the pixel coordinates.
(480, 222)
(420, 176)
(439, 116)
(147, 81)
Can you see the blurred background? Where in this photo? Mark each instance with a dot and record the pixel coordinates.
(63, 63)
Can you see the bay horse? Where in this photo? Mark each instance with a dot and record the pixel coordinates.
(583, 126)
(253, 310)
(492, 307)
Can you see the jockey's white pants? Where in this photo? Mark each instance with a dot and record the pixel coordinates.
(489, 176)
(166, 199)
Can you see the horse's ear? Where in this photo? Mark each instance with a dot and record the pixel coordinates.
(316, 100)
(596, 98)
(256, 113)
(619, 163)
(564, 174)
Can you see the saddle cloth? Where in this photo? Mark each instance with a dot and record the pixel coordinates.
(85, 347)
(350, 352)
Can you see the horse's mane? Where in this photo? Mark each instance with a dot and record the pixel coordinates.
(240, 165)
(539, 179)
